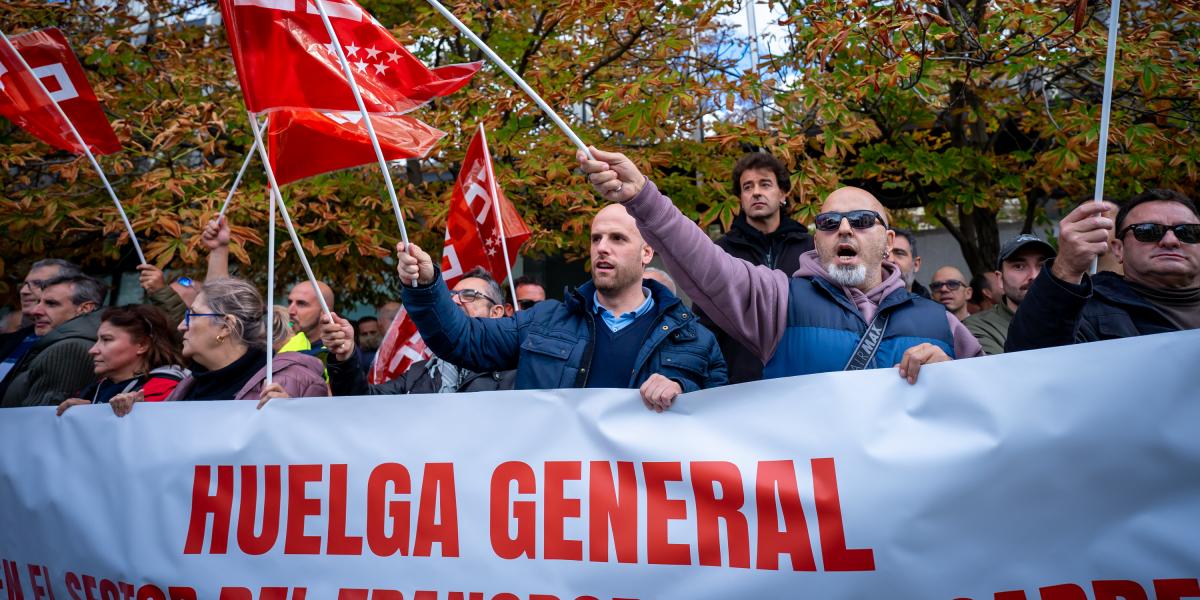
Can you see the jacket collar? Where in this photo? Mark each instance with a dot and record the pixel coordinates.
(84, 326)
(742, 232)
(580, 299)
(1113, 288)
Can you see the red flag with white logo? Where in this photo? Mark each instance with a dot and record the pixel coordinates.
(401, 347)
(303, 143)
(285, 59)
(24, 103)
(472, 236)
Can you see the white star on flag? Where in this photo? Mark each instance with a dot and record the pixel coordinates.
(379, 68)
(372, 53)
(393, 56)
(351, 50)
(490, 251)
(361, 66)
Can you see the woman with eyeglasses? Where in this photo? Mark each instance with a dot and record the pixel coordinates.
(136, 356)
(224, 335)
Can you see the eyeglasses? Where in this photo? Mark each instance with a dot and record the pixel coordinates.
(34, 284)
(187, 316)
(1152, 233)
(859, 219)
(526, 303)
(951, 285)
(469, 296)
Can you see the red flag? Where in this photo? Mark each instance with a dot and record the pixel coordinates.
(285, 59)
(472, 238)
(304, 143)
(401, 347)
(24, 103)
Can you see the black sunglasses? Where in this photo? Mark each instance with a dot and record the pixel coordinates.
(859, 219)
(1152, 233)
(526, 303)
(951, 285)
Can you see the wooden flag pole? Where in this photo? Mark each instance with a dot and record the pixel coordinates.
(87, 151)
(487, 161)
(512, 75)
(238, 180)
(1110, 60)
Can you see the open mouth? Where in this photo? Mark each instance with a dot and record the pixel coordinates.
(846, 252)
(603, 265)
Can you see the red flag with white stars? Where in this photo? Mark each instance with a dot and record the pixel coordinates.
(24, 103)
(303, 143)
(285, 59)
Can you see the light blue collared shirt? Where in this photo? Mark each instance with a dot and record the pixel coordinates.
(616, 323)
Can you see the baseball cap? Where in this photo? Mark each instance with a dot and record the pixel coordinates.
(1020, 242)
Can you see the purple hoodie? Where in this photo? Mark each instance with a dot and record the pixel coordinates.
(749, 302)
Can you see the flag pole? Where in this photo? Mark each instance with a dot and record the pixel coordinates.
(512, 75)
(287, 220)
(87, 151)
(237, 180)
(362, 108)
(1110, 60)
(487, 161)
(271, 283)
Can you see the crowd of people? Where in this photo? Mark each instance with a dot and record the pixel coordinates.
(771, 299)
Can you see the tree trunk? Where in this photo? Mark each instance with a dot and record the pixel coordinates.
(980, 240)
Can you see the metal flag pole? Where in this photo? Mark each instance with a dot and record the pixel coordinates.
(287, 220)
(491, 175)
(238, 180)
(87, 151)
(1110, 60)
(512, 75)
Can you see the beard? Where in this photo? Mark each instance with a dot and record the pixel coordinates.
(847, 276)
(620, 279)
(908, 279)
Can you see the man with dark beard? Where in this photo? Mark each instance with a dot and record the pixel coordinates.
(846, 308)
(617, 331)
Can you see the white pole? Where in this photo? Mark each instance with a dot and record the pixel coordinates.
(1110, 60)
(362, 108)
(487, 161)
(87, 151)
(512, 75)
(752, 25)
(237, 180)
(271, 283)
(287, 220)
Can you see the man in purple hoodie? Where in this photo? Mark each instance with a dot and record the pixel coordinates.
(845, 308)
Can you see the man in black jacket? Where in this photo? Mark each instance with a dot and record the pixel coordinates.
(1157, 241)
(762, 234)
(478, 295)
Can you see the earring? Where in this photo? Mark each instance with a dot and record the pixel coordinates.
(220, 338)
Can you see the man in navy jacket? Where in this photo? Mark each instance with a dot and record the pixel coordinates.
(618, 330)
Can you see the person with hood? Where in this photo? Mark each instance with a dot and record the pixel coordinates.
(136, 356)
(57, 365)
(846, 308)
(761, 234)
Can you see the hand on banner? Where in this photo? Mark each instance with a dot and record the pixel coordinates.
(659, 392)
(910, 363)
(338, 336)
(62, 408)
(1083, 236)
(271, 391)
(122, 404)
(151, 278)
(414, 264)
(612, 174)
(216, 233)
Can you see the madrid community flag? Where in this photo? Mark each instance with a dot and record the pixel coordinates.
(285, 59)
(401, 347)
(24, 103)
(303, 143)
(473, 236)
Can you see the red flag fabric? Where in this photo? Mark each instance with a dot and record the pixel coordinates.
(285, 59)
(472, 237)
(401, 347)
(303, 143)
(24, 103)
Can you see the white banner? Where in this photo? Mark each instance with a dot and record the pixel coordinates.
(1064, 474)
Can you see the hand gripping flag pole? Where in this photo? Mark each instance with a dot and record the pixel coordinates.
(237, 180)
(512, 75)
(83, 144)
(487, 161)
(287, 220)
(1110, 60)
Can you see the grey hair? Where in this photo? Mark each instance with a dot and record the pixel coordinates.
(238, 299)
(66, 268)
(86, 289)
(493, 288)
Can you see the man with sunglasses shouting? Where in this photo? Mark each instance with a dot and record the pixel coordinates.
(1157, 242)
(845, 308)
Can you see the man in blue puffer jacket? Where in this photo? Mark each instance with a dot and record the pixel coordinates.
(616, 331)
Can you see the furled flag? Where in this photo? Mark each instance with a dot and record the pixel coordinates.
(24, 102)
(401, 347)
(472, 237)
(303, 143)
(285, 59)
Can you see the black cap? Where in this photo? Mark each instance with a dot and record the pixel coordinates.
(1024, 240)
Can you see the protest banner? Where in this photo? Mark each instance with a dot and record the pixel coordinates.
(1065, 473)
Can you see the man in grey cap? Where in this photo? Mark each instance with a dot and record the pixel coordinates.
(1020, 262)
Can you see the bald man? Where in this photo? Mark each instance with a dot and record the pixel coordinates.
(305, 310)
(845, 308)
(949, 287)
(619, 330)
